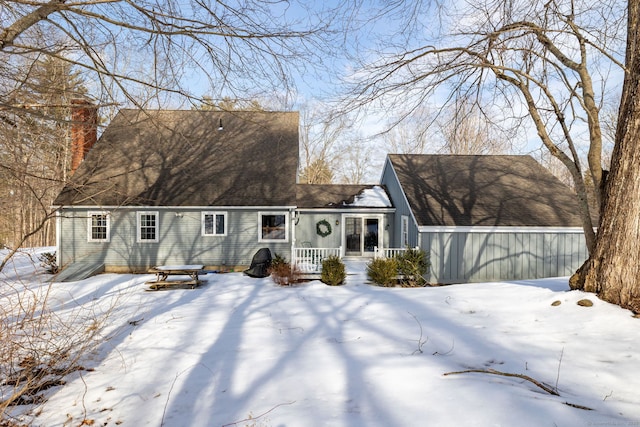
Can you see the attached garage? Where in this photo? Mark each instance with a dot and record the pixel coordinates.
(485, 218)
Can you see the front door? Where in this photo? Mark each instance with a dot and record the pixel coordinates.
(361, 235)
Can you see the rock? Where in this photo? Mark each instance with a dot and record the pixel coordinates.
(556, 303)
(585, 303)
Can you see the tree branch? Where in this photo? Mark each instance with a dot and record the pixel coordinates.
(10, 33)
(507, 374)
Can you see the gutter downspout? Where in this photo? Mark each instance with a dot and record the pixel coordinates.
(58, 238)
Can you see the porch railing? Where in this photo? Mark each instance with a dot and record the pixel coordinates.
(388, 252)
(309, 260)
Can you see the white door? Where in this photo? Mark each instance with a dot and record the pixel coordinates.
(361, 234)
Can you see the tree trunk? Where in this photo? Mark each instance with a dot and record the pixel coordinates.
(613, 271)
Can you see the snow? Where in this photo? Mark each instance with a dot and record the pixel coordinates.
(374, 197)
(241, 351)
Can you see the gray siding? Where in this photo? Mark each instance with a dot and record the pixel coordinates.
(306, 230)
(390, 181)
(461, 257)
(180, 239)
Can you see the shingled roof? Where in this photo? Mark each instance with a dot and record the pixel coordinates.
(182, 158)
(341, 196)
(469, 190)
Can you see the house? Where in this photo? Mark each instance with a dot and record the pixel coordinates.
(484, 218)
(212, 187)
(181, 187)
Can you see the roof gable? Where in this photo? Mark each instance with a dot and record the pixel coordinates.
(181, 158)
(480, 190)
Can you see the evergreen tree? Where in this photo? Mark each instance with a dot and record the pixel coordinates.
(34, 150)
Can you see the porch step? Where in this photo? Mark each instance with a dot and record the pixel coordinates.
(356, 265)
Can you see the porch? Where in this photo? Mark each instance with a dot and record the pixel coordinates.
(309, 260)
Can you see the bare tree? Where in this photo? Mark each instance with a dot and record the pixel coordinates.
(545, 62)
(319, 144)
(355, 161)
(410, 135)
(613, 268)
(144, 54)
(466, 129)
(234, 46)
(229, 104)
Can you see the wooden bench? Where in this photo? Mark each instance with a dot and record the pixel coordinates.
(163, 272)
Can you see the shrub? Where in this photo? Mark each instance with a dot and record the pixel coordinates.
(48, 262)
(40, 347)
(277, 261)
(413, 264)
(282, 272)
(383, 271)
(406, 269)
(333, 271)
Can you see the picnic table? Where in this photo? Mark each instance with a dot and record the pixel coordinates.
(163, 272)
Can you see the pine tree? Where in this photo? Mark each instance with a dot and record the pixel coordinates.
(34, 151)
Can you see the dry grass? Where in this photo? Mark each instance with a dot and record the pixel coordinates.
(285, 274)
(39, 347)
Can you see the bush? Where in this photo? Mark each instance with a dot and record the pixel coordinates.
(406, 269)
(282, 272)
(333, 271)
(277, 261)
(413, 264)
(48, 261)
(40, 347)
(383, 271)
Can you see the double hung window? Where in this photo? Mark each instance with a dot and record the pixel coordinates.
(98, 227)
(147, 226)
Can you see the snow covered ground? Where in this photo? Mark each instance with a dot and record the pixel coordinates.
(244, 352)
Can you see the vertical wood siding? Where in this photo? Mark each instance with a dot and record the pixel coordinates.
(461, 257)
(402, 208)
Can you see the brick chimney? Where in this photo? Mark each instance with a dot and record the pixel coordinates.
(84, 130)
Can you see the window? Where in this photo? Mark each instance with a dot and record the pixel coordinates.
(214, 223)
(273, 227)
(405, 231)
(98, 229)
(147, 226)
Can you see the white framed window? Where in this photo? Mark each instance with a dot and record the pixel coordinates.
(214, 223)
(405, 231)
(147, 227)
(98, 227)
(273, 227)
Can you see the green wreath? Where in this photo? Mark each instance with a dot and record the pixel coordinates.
(323, 228)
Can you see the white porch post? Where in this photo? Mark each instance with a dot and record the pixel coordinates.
(293, 236)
